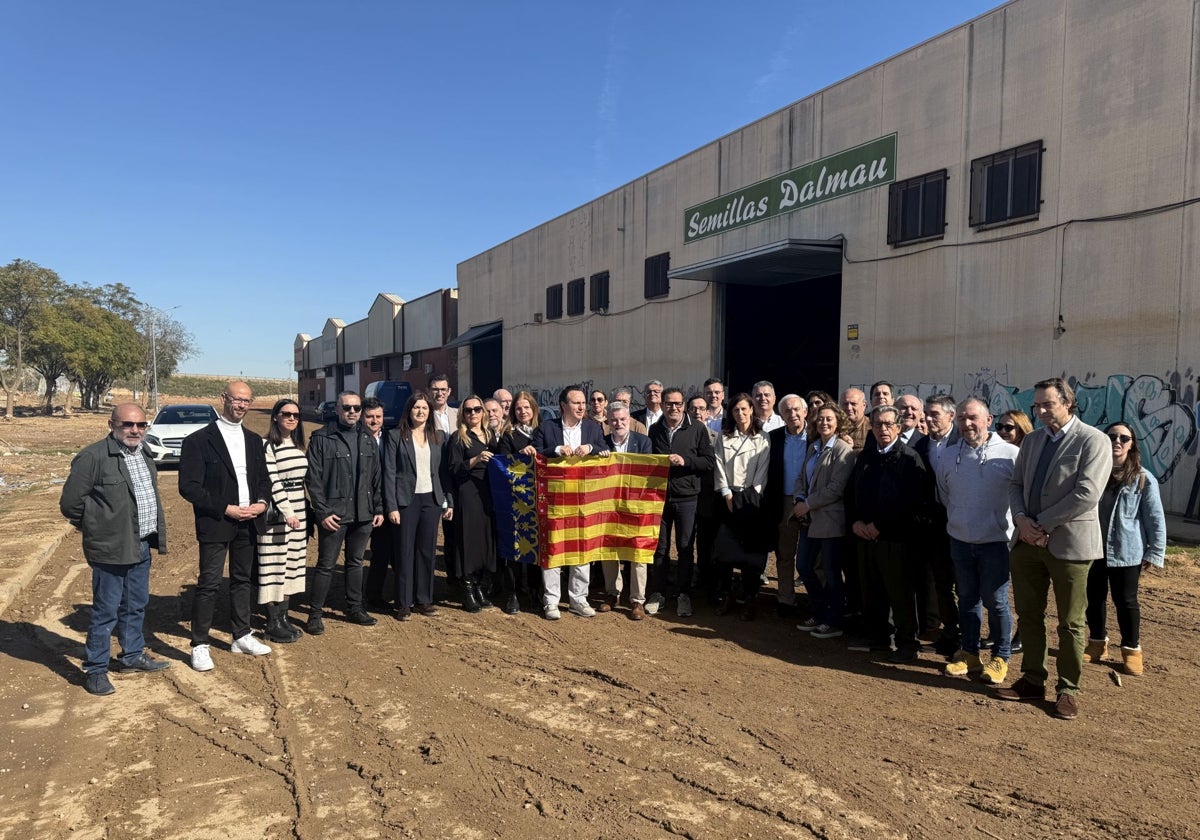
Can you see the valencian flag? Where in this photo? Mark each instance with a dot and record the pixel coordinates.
(583, 509)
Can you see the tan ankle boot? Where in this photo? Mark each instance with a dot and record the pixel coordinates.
(1095, 650)
(1133, 660)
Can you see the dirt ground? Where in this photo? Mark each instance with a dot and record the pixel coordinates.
(479, 726)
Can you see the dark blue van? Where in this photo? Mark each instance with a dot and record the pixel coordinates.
(394, 396)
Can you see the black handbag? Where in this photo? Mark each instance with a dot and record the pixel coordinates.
(274, 516)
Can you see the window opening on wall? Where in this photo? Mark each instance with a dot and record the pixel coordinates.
(599, 292)
(917, 209)
(657, 284)
(1007, 187)
(575, 292)
(554, 302)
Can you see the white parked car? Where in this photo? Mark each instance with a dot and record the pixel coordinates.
(173, 423)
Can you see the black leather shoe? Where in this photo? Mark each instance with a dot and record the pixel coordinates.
(512, 606)
(361, 617)
(484, 602)
(315, 625)
(97, 683)
(142, 662)
(946, 645)
(470, 599)
(278, 630)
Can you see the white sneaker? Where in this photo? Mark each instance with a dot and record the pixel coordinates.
(654, 603)
(582, 609)
(683, 608)
(249, 644)
(201, 658)
(551, 614)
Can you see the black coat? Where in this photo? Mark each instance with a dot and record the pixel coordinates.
(693, 443)
(400, 471)
(208, 481)
(331, 480)
(889, 490)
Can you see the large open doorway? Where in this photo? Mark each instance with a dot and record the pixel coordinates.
(786, 334)
(778, 315)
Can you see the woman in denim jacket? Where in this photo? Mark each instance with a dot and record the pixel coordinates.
(1135, 537)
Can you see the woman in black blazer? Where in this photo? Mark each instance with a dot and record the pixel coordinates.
(416, 494)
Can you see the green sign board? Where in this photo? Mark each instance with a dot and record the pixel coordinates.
(843, 173)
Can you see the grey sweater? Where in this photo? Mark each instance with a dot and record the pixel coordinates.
(973, 484)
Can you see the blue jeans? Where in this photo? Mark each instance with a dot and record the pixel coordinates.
(119, 596)
(982, 572)
(828, 599)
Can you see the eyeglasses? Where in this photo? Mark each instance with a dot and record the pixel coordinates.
(238, 400)
(674, 404)
(885, 424)
(599, 399)
(1117, 437)
(348, 408)
(440, 390)
(475, 409)
(290, 415)
(133, 424)
(1006, 427)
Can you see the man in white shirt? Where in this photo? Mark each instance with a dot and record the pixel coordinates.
(911, 413)
(714, 394)
(653, 394)
(881, 393)
(444, 415)
(763, 395)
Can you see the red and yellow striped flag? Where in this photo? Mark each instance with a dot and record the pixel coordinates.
(600, 508)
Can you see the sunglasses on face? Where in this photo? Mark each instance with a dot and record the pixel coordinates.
(349, 408)
(1006, 427)
(290, 415)
(475, 409)
(1116, 437)
(133, 424)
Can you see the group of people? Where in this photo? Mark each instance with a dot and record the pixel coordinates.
(901, 518)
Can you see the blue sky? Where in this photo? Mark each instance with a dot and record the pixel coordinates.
(263, 166)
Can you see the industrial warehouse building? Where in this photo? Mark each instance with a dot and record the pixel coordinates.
(1011, 200)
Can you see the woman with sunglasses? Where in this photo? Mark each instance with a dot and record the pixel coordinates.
(1012, 426)
(1135, 538)
(471, 447)
(283, 549)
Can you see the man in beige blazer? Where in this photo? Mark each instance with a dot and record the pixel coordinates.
(1055, 491)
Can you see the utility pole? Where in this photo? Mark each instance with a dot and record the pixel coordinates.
(154, 353)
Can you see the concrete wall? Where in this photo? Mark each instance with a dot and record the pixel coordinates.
(385, 334)
(354, 342)
(1109, 88)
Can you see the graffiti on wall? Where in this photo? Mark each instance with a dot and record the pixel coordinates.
(1163, 422)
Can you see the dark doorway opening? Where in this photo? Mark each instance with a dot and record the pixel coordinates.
(487, 365)
(787, 334)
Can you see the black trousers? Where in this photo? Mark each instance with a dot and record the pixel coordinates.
(890, 577)
(414, 547)
(678, 515)
(240, 551)
(383, 557)
(329, 544)
(1123, 580)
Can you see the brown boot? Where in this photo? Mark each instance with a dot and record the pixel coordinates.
(1133, 660)
(1095, 650)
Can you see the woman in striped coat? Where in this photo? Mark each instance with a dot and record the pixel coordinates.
(283, 549)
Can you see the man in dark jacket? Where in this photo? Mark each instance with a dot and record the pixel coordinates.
(885, 501)
(111, 497)
(789, 443)
(691, 454)
(223, 473)
(344, 488)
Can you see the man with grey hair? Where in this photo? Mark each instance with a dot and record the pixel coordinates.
(625, 394)
(653, 411)
(854, 403)
(762, 395)
(973, 485)
(789, 443)
(111, 497)
(911, 412)
(623, 439)
(938, 602)
(505, 398)
(885, 497)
